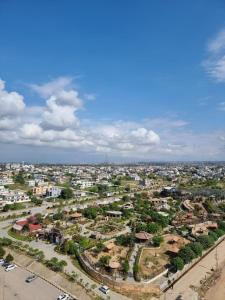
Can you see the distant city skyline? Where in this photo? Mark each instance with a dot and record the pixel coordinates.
(116, 81)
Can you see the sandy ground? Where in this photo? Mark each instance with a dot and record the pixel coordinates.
(217, 292)
(184, 287)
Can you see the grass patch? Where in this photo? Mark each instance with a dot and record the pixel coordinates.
(19, 236)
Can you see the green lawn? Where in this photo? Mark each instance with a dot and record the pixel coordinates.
(19, 236)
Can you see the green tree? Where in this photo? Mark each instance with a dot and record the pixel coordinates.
(125, 240)
(219, 232)
(9, 258)
(104, 261)
(157, 240)
(99, 247)
(187, 254)
(2, 252)
(206, 241)
(177, 263)
(90, 212)
(221, 225)
(67, 193)
(125, 266)
(213, 235)
(153, 228)
(36, 201)
(56, 265)
(70, 247)
(19, 179)
(197, 248)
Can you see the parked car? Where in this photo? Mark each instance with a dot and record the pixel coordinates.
(2, 261)
(31, 278)
(10, 268)
(104, 289)
(63, 297)
(6, 264)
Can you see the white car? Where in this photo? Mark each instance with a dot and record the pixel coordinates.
(104, 289)
(63, 297)
(2, 261)
(10, 268)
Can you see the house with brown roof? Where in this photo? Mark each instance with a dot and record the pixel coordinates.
(143, 236)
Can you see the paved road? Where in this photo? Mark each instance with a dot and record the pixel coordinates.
(14, 287)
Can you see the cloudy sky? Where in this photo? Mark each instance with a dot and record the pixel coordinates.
(86, 81)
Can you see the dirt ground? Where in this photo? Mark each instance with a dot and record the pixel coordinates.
(154, 260)
(217, 291)
(116, 253)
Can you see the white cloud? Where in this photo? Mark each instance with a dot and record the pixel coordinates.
(57, 125)
(52, 87)
(31, 131)
(11, 103)
(215, 67)
(215, 62)
(59, 116)
(218, 43)
(62, 103)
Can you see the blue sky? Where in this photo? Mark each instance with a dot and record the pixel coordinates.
(133, 80)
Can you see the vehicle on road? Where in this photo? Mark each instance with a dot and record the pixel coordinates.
(104, 289)
(2, 261)
(31, 278)
(63, 297)
(10, 268)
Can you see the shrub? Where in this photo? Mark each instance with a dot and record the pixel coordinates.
(197, 248)
(55, 264)
(206, 241)
(153, 228)
(219, 232)
(2, 252)
(213, 235)
(9, 258)
(5, 242)
(177, 263)
(157, 240)
(103, 261)
(187, 254)
(221, 225)
(125, 240)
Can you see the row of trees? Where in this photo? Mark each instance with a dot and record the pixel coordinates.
(14, 206)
